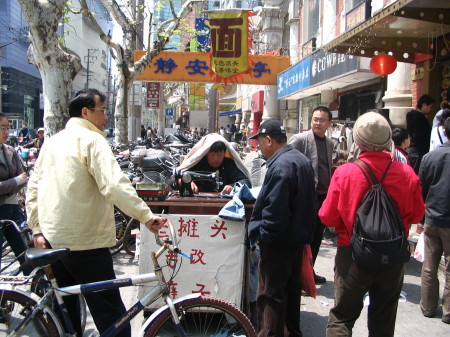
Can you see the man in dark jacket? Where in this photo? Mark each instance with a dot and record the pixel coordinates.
(435, 180)
(282, 223)
(318, 148)
(419, 130)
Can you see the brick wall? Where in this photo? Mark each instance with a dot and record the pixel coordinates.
(416, 86)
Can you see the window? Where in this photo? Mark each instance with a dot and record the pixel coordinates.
(310, 19)
(350, 4)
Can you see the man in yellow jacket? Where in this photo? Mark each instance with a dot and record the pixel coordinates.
(70, 200)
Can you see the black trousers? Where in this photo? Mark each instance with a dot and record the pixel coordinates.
(87, 266)
(279, 291)
(318, 231)
(415, 158)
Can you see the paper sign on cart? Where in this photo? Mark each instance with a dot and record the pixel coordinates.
(217, 249)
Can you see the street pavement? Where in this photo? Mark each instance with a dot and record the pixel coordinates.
(314, 312)
(410, 321)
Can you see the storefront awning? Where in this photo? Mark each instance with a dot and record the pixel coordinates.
(230, 112)
(406, 28)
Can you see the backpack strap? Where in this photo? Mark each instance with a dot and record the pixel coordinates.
(368, 172)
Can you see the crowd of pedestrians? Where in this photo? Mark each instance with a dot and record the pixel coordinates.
(299, 198)
(416, 168)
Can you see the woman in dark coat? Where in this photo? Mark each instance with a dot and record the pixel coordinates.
(12, 179)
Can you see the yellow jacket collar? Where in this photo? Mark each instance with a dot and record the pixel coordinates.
(85, 124)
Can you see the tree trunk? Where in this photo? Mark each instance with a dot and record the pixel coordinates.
(57, 85)
(57, 67)
(121, 115)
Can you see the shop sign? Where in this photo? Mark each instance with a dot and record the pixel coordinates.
(202, 41)
(229, 44)
(417, 74)
(356, 16)
(325, 66)
(196, 67)
(152, 96)
(294, 79)
(257, 102)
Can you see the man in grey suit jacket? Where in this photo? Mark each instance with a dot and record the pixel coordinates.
(319, 149)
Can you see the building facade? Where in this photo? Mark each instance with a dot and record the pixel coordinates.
(21, 94)
(21, 85)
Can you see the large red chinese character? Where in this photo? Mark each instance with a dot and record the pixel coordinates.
(172, 259)
(202, 287)
(197, 256)
(219, 228)
(163, 234)
(226, 40)
(173, 289)
(189, 228)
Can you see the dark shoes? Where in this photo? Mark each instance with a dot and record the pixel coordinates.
(319, 279)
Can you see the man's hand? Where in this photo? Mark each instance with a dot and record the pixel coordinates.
(24, 178)
(155, 224)
(227, 189)
(194, 187)
(40, 241)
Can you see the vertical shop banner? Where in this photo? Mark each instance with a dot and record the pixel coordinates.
(152, 97)
(202, 41)
(229, 45)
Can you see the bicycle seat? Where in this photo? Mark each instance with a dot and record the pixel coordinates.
(39, 257)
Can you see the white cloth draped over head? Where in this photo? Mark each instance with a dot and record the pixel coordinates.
(202, 148)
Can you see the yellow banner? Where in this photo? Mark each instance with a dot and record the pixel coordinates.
(229, 43)
(169, 66)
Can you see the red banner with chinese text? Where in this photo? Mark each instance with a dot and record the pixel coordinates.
(229, 45)
(152, 96)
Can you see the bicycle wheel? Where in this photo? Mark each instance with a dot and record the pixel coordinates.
(15, 306)
(6, 248)
(130, 240)
(121, 224)
(40, 286)
(201, 317)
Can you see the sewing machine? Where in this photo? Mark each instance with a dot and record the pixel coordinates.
(186, 177)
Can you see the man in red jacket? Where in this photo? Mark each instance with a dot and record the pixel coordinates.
(348, 186)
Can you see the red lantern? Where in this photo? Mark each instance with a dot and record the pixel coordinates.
(383, 64)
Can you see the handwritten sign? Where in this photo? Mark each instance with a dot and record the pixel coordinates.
(217, 250)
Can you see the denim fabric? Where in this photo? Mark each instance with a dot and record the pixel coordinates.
(235, 209)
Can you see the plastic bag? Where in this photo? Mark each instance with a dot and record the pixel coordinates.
(307, 273)
(419, 253)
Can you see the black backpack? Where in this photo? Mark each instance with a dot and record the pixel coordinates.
(378, 239)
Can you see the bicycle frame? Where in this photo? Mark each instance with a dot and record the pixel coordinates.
(160, 289)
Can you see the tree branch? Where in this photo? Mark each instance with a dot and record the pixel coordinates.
(173, 23)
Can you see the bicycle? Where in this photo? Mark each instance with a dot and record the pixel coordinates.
(38, 278)
(191, 315)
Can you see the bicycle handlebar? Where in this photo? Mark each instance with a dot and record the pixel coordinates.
(172, 243)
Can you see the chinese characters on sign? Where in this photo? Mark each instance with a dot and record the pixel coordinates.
(294, 79)
(152, 96)
(216, 247)
(355, 16)
(196, 67)
(229, 43)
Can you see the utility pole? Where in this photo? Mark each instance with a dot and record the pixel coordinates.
(88, 60)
